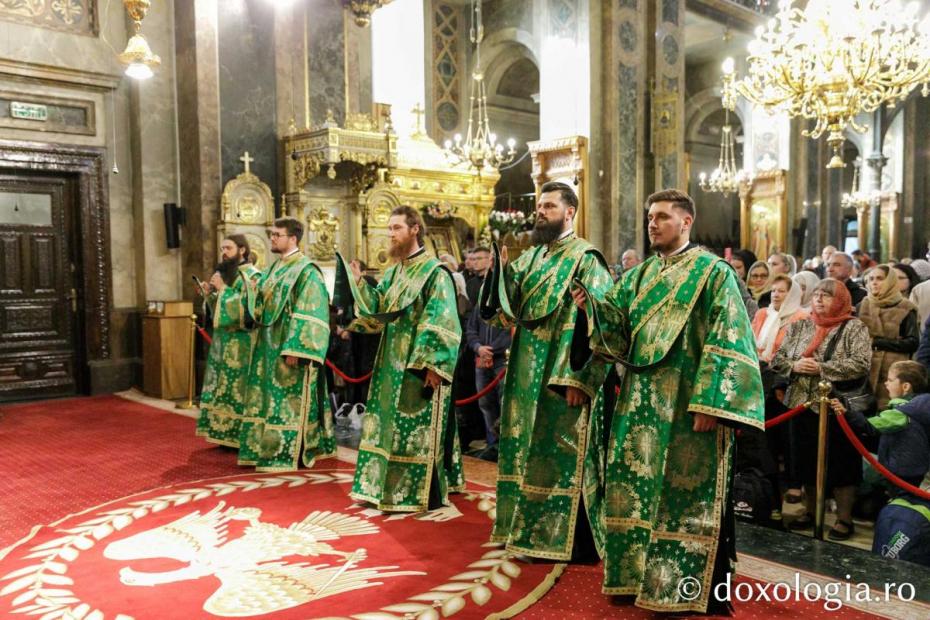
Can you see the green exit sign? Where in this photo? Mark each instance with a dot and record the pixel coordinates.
(28, 111)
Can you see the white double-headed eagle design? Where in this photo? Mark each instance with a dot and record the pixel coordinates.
(253, 576)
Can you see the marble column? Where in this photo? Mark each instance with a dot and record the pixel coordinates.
(154, 163)
(669, 94)
(618, 164)
(876, 161)
(199, 135)
(916, 218)
(326, 46)
(245, 33)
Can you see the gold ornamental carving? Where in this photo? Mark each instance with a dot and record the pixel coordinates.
(326, 227)
(247, 208)
(305, 168)
(246, 199)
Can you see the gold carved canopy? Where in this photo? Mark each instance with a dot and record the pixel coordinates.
(343, 183)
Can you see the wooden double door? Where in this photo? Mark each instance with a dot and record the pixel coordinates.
(41, 341)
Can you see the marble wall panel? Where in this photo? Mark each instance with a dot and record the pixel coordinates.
(326, 43)
(248, 106)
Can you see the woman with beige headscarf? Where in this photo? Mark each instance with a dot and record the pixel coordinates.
(892, 323)
(759, 279)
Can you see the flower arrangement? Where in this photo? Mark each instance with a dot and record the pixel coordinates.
(503, 222)
(440, 210)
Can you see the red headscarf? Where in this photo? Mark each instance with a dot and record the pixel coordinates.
(839, 312)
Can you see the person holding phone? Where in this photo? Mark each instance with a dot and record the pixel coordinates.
(222, 399)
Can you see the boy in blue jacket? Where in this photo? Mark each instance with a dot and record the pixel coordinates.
(903, 429)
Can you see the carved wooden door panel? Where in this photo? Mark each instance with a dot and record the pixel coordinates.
(38, 299)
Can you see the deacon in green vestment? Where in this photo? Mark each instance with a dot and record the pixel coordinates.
(222, 399)
(409, 458)
(678, 324)
(287, 418)
(544, 462)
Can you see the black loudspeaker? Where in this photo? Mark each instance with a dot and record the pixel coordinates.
(174, 219)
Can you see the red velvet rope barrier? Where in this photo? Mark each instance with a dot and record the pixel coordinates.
(784, 417)
(203, 334)
(346, 377)
(485, 391)
(851, 436)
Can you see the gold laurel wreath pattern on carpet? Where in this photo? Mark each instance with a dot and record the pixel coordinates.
(42, 589)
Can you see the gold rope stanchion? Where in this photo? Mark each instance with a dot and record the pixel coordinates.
(824, 388)
(189, 404)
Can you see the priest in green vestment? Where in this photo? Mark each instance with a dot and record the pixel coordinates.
(678, 324)
(409, 457)
(545, 484)
(222, 399)
(287, 418)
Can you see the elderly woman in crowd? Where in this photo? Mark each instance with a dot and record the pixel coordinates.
(778, 263)
(831, 345)
(769, 327)
(770, 324)
(759, 280)
(807, 280)
(892, 323)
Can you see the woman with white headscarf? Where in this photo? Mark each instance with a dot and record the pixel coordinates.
(771, 323)
(807, 281)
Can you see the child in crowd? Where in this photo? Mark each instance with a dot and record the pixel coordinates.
(904, 427)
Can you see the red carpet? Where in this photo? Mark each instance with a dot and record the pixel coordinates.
(268, 546)
(59, 457)
(577, 595)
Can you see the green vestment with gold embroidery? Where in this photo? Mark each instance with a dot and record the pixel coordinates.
(287, 418)
(222, 400)
(680, 327)
(409, 449)
(544, 463)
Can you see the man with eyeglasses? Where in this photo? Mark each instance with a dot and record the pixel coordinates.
(287, 419)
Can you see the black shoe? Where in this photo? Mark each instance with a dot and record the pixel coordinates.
(488, 454)
(835, 534)
(802, 523)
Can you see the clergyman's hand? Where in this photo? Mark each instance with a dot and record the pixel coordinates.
(216, 281)
(290, 360)
(704, 423)
(432, 379)
(575, 397)
(579, 297)
(504, 256)
(356, 268)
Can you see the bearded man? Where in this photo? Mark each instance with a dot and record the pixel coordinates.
(222, 400)
(409, 457)
(544, 461)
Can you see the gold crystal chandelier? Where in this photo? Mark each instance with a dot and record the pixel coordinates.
(362, 9)
(480, 148)
(138, 56)
(832, 61)
(726, 177)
